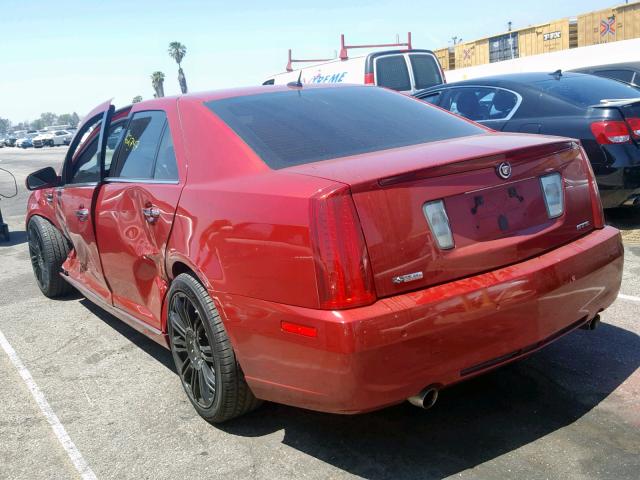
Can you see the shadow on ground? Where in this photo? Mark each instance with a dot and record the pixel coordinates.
(623, 218)
(143, 342)
(15, 238)
(472, 423)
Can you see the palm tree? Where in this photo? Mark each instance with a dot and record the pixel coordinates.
(157, 80)
(177, 51)
(137, 99)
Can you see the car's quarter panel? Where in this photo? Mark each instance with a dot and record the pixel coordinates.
(250, 235)
(370, 357)
(241, 226)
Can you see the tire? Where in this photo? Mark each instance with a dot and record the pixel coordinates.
(48, 249)
(203, 356)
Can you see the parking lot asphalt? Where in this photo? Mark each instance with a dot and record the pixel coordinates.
(570, 411)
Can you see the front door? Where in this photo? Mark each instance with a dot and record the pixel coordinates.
(75, 201)
(136, 206)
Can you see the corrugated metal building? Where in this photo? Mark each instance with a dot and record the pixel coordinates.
(548, 37)
(446, 57)
(472, 53)
(608, 25)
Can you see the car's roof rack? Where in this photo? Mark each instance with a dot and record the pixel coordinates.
(343, 51)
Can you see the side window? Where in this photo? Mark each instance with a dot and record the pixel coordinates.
(392, 72)
(503, 103)
(466, 102)
(433, 97)
(481, 103)
(115, 133)
(166, 167)
(624, 75)
(139, 145)
(85, 167)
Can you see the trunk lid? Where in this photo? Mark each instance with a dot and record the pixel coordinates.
(495, 222)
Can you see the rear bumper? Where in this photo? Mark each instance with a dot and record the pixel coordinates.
(618, 176)
(370, 357)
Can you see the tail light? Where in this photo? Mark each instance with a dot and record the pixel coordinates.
(438, 222)
(368, 79)
(343, 270)
(553, 194)
(610, 132)
(596, 203)
(634, 126)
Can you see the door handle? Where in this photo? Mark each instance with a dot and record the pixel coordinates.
(82, 214)
(151, 214)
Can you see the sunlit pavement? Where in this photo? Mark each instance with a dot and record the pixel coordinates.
(571, 411)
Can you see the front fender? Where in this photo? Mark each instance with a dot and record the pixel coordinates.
(39, 204)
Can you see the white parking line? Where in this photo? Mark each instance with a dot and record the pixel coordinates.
(630, 298)
(63, 437)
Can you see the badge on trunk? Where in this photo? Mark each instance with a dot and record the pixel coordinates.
(504, 170)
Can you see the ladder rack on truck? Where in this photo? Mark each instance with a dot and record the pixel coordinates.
(406, 70)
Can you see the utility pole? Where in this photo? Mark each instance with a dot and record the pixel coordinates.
(509, 24)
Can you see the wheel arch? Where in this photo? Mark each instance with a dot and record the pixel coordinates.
(37, 205)
(177, 264)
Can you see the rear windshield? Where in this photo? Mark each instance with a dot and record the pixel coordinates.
(586, 90)
(294, 127)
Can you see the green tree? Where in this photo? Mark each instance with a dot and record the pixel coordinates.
(177, 51)
(5, 126)
(137, 99)
(66, 119)
(157, 81)
(49, 118)
(37, 124)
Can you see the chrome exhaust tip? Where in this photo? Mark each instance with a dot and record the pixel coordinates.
(425, 399)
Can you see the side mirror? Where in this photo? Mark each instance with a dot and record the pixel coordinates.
(44, 178)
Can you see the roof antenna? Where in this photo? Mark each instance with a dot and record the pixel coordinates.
(297, 83)
(557, 74)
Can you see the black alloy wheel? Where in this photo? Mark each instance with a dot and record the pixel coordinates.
(192, 351)
(48, 249)
(202, 353)
(37, 258)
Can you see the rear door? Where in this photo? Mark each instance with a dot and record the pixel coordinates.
(75, 200)
(406, 72)
(136, 207)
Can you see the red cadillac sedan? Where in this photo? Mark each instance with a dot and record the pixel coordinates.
(339, 248)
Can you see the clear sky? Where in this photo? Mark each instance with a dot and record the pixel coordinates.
(65, 56)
